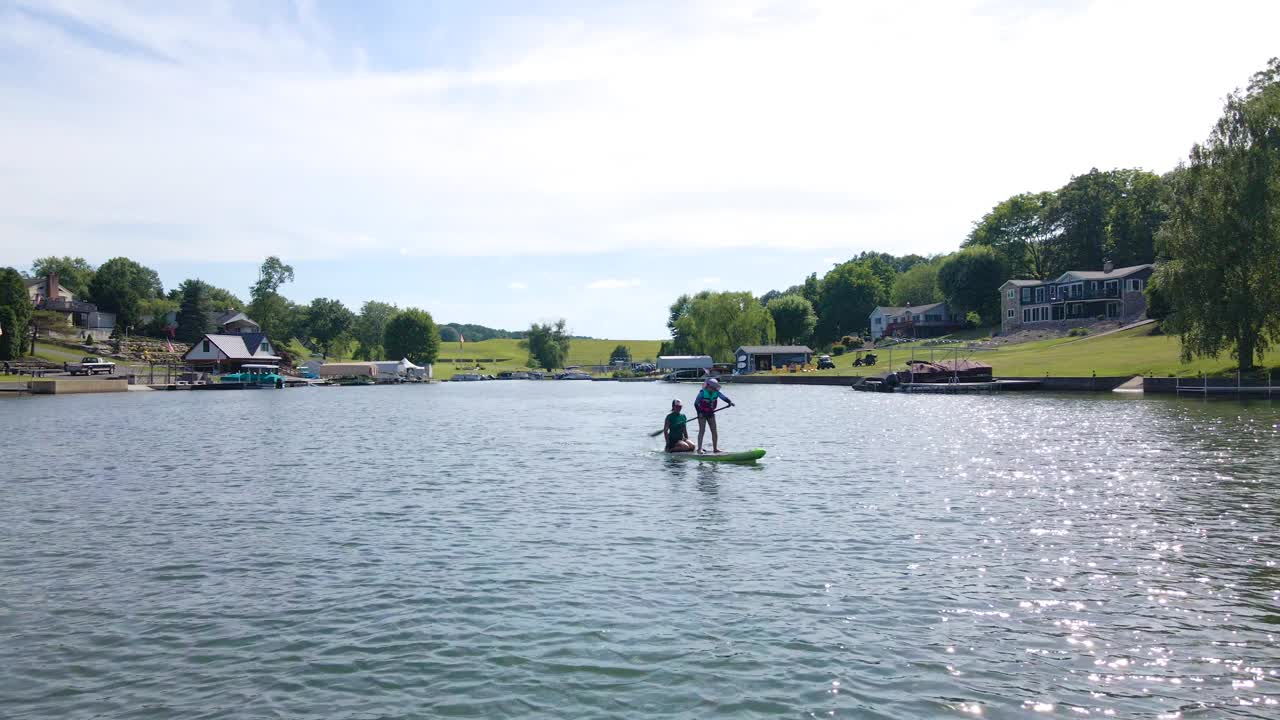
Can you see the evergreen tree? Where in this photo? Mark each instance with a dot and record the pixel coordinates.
(193, 313)
(13, 295)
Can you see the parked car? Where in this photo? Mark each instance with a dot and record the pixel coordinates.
(91, 365)
(824, 363)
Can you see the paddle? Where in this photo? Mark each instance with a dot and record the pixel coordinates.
(713, 412)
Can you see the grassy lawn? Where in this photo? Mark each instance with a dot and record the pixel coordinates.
(495, 356)
(1131, 352)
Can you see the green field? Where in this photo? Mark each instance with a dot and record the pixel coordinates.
(494, 356)
(1137, 351)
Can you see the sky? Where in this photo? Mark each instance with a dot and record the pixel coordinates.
(504, 163)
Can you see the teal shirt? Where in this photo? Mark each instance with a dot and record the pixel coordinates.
(677, 426)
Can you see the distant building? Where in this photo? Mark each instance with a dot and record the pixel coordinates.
(685, 362)
(763, 358)
(47, 293)
(235, 322)
(921, 321)
(1075, 297)
(225, 353)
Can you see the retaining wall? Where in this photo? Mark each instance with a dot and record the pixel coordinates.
(67, 386)
(1075, 384)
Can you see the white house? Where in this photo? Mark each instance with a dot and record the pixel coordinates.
(228, 352)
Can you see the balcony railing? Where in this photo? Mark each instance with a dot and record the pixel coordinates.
(71, 306)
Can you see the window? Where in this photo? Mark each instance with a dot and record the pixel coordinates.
(1026, 316)
(1026, 295)
(1135, 286)
(265, 347)
(1039, 294)
(878, 321)
(204, 346)
(1093, 286)
(1053, 292)
(1012, 295)
(1010, 311)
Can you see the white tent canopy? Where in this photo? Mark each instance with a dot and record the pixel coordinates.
(401, 368)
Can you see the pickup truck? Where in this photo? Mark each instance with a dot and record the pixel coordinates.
(91, 366)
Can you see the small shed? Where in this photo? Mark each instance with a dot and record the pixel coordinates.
(763, 358)
(685, 362)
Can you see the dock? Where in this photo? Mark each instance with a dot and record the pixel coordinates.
(994, 386)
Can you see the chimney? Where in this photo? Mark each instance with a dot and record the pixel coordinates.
(51, 287)
(1107, 267)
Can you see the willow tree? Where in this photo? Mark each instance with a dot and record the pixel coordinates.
(1222, 241)
(717, 323)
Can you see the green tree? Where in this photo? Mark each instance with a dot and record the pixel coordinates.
(1136, 216)
(370, 327)
(273, 313)
(970, 280)
(13, 295)
(327, 322)
(1223, 235)
(717, 323)
(621, 353)
(448, 333)
(193, 313)
(918, 285)
(679, 344)
(412, 335)
(11, 337)
(548, 344)
(74, 274)
(120, 285)
(849, 293)
(794, 319)
(1018, 231)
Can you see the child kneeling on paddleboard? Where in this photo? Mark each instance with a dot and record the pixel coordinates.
(708, 396)
(676, 430)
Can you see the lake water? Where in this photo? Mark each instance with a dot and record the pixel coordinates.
(518, 550)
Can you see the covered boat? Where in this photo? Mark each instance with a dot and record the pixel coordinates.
(945, 371)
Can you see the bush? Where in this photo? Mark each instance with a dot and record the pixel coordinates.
(837, 349)
(972, 320)
(1077, 332)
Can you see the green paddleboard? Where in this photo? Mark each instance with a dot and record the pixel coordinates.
(744, 456)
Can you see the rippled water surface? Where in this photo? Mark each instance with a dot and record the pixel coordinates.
(518, 550)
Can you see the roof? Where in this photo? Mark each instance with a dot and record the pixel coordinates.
(239, 347)
(774, 349)
(914, 309)
(1023, 282)
(1100, 275)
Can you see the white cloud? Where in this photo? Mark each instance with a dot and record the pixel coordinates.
(612, 284)
(830, 128)
(517, 285)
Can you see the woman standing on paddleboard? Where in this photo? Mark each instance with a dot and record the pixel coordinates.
(705, 405)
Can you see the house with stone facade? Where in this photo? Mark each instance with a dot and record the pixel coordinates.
(1075, 297)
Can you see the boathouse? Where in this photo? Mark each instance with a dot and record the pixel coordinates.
(763, 358)
(226, 353)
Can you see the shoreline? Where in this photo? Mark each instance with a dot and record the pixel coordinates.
(1137, 385)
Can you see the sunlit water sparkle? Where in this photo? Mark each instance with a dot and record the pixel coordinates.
(518, 550)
